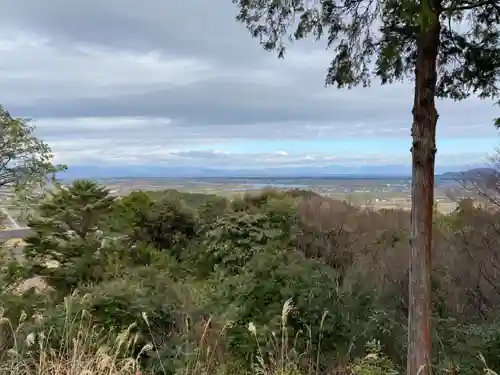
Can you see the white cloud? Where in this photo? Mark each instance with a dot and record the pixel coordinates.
(108, 152)
(281, 153)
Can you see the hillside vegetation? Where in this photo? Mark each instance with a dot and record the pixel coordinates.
(286, 283)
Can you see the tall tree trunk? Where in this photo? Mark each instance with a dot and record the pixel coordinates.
(423, 155)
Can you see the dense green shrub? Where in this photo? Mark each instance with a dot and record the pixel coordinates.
(459, 346)
(212, 208)
(374, 363)
(127, 212)
(321, 307)
(168, 225)
(230, 241)
(254, 202)
(192, 200)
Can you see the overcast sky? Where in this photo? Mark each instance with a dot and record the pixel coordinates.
(182, 83)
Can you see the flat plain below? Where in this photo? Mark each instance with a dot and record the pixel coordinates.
(374, 193)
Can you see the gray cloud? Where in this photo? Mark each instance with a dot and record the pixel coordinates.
(124, 77)
(167, 132)
(181, 28)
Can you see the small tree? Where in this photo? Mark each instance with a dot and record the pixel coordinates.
(450, 48)
(67, 244)
(25, 160)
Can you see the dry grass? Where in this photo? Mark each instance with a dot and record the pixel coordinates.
(82, 350)
(86, 350)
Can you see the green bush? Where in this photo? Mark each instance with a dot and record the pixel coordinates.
(374, 363)
(127, 212)
(256, 294)
(212, 208)
(168, 225)
(461, 346)
(232, 240)
(254, 202)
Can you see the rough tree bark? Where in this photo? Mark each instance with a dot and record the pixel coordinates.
(423, 155)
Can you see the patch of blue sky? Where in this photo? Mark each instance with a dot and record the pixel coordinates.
(354, 146)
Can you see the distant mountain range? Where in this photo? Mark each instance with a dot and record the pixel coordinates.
(96, 172)
(471, 174)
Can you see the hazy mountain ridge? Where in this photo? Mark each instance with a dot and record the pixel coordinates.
(469, 174)
(82, 171)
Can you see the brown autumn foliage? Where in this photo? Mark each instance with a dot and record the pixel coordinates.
(372, 247)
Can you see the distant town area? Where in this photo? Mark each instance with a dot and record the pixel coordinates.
(375, 193)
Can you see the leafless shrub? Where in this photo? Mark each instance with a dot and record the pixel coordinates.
(482, 185)
(371, 247)
(363, 245)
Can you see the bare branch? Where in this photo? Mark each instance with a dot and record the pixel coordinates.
(471, 6)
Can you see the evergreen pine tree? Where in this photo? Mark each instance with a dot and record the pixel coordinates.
(67, 244)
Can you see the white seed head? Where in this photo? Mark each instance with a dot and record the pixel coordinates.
(252, 328)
